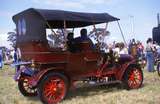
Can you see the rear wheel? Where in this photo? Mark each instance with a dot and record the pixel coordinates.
(133, 78)
(53, 88)
(24, 87)
(158, 68)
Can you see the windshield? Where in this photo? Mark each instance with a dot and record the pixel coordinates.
(98, 37)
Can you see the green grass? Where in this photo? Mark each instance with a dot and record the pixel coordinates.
(148, 94)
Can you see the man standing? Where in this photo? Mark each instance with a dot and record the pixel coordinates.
(150, 55)
(15, 56)
(1, 59)
(134, 48)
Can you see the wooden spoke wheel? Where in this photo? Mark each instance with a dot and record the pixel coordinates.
(53, 88)
(133, 78)
(24, 87)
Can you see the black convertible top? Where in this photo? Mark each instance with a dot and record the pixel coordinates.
(31, 24)
(56, 18)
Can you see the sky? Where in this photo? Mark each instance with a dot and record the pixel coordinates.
(137, 17)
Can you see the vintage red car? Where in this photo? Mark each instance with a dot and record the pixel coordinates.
(51, 71)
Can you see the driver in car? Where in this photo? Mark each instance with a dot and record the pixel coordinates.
(84, 38)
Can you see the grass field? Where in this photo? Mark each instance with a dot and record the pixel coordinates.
(148, 94)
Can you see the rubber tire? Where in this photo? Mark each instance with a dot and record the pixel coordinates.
(125, 77)
(158, 68)
(22, 89)
(45, 78)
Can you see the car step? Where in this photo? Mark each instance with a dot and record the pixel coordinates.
(93, 83)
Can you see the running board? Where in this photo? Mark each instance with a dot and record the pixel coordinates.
(92, 83)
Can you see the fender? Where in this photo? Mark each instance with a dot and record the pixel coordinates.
(35, 79)
(124, 68)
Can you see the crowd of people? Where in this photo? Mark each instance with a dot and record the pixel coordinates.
(136, 49)
(149, 54)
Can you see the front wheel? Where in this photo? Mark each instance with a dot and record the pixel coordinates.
(53, 88)
(133, 78)
(158, 68)
(24, 87)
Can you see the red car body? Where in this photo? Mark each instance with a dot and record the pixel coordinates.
(49, 70)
